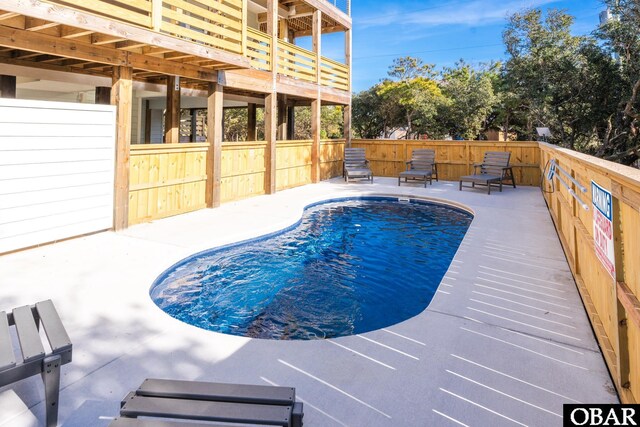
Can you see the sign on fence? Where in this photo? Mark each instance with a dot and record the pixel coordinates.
(603, 227)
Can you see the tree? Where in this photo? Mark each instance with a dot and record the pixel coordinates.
(366, 120)
(471, 99)
(621, 36)
(331, 122)
(411, 97)
(235, 124)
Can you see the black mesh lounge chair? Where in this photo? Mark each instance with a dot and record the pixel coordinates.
(493, 170)
(156, 402)
(422, 166)
(356, 165)
(35, 359)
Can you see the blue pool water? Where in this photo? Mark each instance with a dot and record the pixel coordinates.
(347, 267)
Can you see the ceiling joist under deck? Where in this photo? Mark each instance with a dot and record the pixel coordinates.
(67, 24)
(34, 46)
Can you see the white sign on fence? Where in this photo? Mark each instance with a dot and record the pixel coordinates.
(603, 227)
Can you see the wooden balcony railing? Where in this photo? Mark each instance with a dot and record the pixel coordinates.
(259, 49)
(334, 74)
(217, 24)
(293, 61)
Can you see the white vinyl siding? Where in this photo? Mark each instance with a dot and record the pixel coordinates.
(56, 171)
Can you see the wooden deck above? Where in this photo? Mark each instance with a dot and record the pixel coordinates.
(160, 38)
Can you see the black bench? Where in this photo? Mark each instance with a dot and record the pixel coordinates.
(161, 402)
(35, 359)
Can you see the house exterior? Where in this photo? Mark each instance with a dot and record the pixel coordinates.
(165, 70)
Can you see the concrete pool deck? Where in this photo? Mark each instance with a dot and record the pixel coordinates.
(505, 341)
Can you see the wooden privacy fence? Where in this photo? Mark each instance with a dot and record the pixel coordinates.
(243, 170)
(166, 179)
(454, 158)
(612, 303)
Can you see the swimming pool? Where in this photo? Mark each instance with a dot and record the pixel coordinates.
(348, 266)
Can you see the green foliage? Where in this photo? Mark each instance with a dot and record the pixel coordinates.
(331, 122)
(470, 100)
(235, 124)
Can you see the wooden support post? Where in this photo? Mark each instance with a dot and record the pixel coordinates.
(214, 138)
(346, 124)
(316, 32)
(251, 122)
(282, 118)
(315, 135)
(121, 97)
(271, 102)
(172, 115)
(347, 108)
(291, 122)
(103, 95)
(7, 86)
(270, 128)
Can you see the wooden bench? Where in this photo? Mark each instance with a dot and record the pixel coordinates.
(165, 401)
(35, 359)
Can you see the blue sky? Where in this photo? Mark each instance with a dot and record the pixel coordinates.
(438, 31)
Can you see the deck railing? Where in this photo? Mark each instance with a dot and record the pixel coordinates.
(218, 23)
(259, 49)
(293, 61)
(334, 74)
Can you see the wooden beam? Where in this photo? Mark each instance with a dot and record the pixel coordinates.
(316, 28)
(7, 86)
(214, 137)
(331, 11)
(36, 24)
(315, 135)
(103, 95)
(347, 108)
(121, 97)
(45, 44)
(270, 128)
(282, 118)
(72, 32)
(251, 122)
(325, 30)
(172, 114)
(106, 26)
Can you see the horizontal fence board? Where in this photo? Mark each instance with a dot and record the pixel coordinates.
(166, 180)
(454, 158)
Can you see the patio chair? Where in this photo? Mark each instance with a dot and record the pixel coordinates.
(356, 165)
(158, 400)
(422, 166)
(35, 360)
(494, 169)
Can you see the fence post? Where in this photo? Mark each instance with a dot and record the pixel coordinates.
(621, 343)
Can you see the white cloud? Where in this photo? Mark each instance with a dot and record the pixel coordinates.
(471, 13)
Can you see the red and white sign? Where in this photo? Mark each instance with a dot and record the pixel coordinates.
(603, 227)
